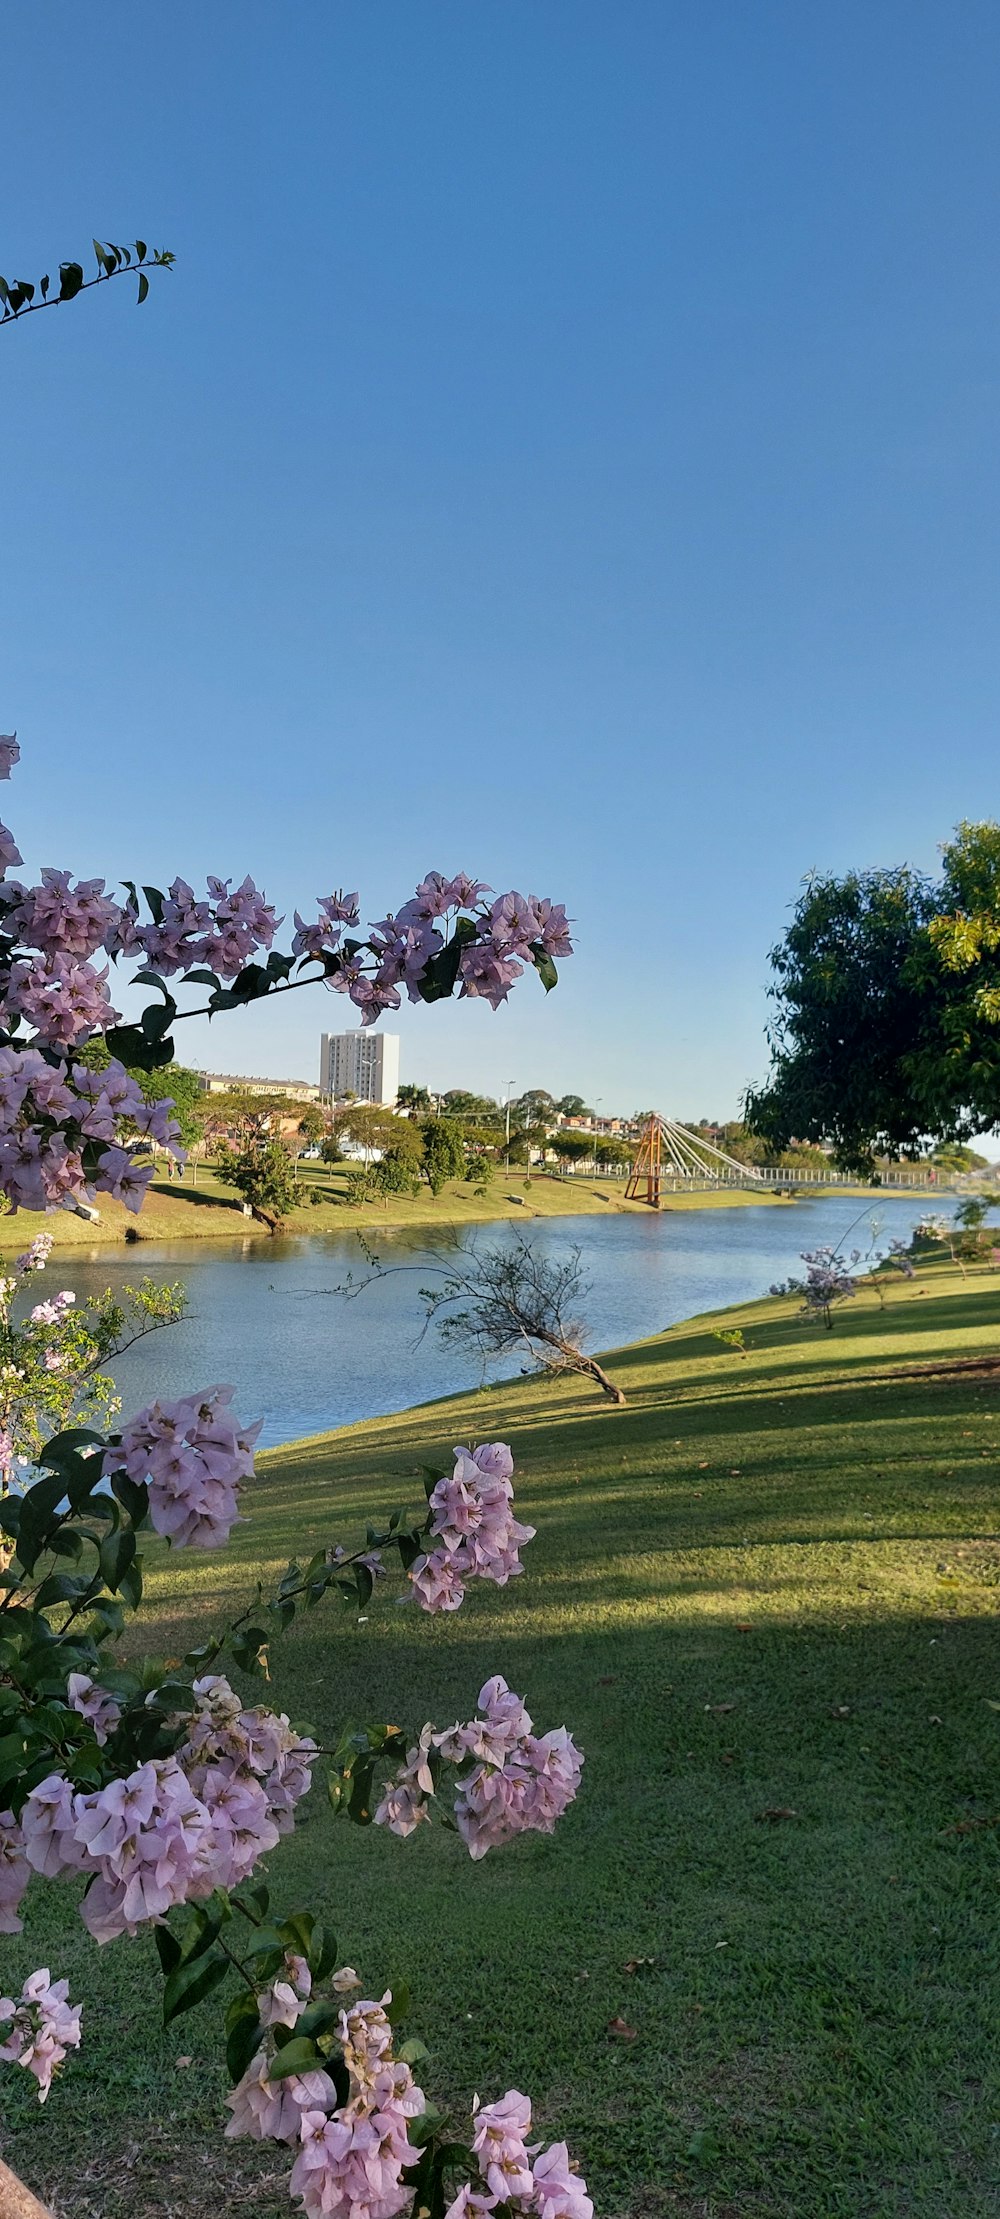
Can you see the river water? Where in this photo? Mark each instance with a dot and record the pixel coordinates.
(265, 1315)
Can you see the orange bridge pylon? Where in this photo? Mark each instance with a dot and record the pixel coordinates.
(668, 1152)
(647, 1168)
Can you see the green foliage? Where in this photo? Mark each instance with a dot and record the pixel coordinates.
(312, 1123)
(887, 1009)
(413, 1097)
(444, 1151)
(535, 1107)
(612, 1151)
(261, 1171)
(573, 1147)
(480, 1144)
(731, 1337)
(18, 298)
(39, 1396)
(478, 1107)
(952, 1155)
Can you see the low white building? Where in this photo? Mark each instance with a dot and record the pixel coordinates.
(229, 1082)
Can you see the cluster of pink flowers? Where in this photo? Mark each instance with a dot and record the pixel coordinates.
(518, 2172)
(173, 1829)
(194, 1456)
(222, 932)
(59, 919)
(519, 1783)
(93, 1703)
(43, 2027)
(249, 1746)
(474, 1527)
(146, 1840)
(350, 2160)
(36, 1257)
(49, 1111)
(507, 933)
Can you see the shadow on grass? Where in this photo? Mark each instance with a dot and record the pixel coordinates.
(822, 1979)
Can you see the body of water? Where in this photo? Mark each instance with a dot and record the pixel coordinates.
(265, 1317)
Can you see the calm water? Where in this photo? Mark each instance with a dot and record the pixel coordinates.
(264, 1316)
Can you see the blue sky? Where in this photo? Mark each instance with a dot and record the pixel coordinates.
(565, 451)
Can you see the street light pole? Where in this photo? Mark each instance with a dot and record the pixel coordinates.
(511, 1083)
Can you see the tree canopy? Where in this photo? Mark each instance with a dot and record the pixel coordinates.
(886, 996)
(444, 1151)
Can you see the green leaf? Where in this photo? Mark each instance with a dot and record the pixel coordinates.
(398, 2004)
(322, 1952)
(168, 1948)
(244, 2037)
(130, 1584)
(133, 1496)
(70, 279)
(263, 1944)
(156, 1021)
(189, 1984)
(67, 1543)
(317, 2018)
(62, 1452)
(140, 249)
(441, 972)
(253, 1901)
(297, 2056)
(62, 1587)
(544, 966)
(117, 1554)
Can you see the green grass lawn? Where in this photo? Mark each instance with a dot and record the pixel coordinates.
(763, 1596)
(207, 1210)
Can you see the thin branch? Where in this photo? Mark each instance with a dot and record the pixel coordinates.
(280, 986)
(62, 300)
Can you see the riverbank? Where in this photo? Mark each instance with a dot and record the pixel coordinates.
(755, 1969)
(209, 1210)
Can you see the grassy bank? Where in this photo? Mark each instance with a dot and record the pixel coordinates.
(763, 1596)
(210, 1211)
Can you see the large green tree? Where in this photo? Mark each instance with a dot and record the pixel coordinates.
(444, 1151)
(886, 1029)
(261, 1171)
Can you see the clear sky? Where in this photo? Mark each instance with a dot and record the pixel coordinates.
(566, 451)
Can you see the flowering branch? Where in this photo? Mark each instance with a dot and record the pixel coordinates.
(157, 1786)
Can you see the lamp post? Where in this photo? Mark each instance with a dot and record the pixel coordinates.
(511, 1083)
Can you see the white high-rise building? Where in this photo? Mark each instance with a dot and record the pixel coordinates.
(365, 1064)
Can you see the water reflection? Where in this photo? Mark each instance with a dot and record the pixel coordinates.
(264, 1315)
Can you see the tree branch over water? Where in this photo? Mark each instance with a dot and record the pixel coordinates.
(503, 1300)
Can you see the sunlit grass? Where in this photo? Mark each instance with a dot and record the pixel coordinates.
(764, 1586)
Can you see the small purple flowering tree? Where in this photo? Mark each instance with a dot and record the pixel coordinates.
(155, 1783)
(832, 1276)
